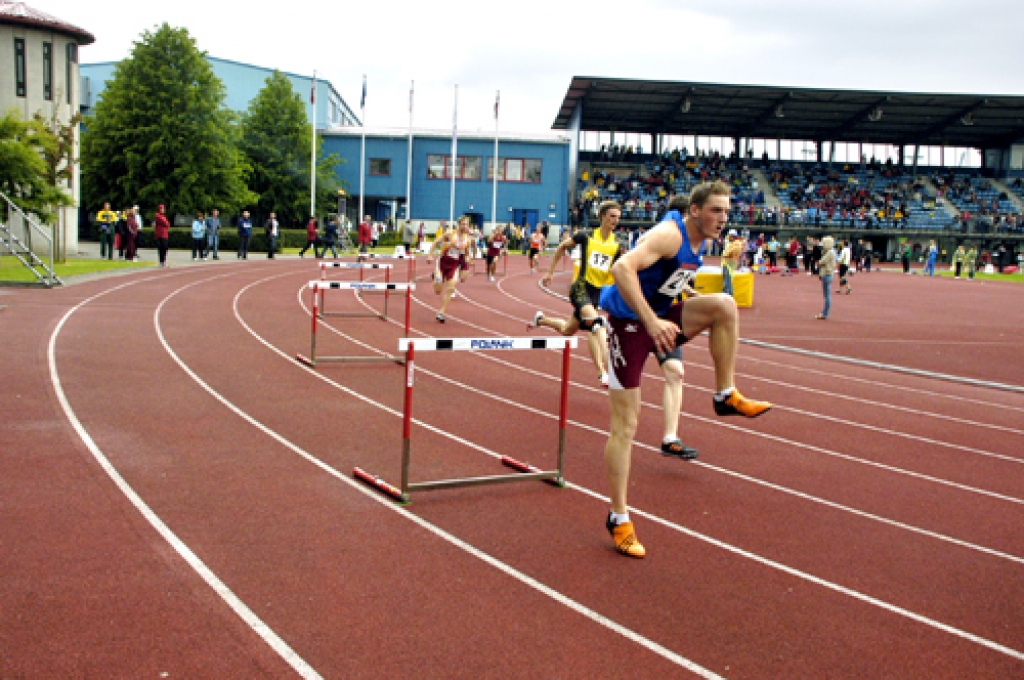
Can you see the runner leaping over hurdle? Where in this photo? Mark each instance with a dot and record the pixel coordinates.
(644, 319)
(600, 251)
(453, 246)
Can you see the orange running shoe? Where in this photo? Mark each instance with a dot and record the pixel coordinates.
(738, 405)
(625, 538)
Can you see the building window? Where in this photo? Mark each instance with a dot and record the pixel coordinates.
(515, 170)
(380, 166)
(466, 167)
(19, 66)
(69, 73)
(47, 71)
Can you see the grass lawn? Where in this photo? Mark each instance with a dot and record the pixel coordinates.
(1017, 278)
(12, 270)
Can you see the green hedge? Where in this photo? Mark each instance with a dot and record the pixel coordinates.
(181, 237)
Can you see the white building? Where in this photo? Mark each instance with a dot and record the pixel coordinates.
(39, 74)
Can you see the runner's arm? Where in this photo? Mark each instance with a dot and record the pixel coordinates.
(559, 252)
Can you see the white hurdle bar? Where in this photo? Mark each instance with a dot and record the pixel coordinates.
(318, 288)
(360, 257)
(361, 266)
(525, 471)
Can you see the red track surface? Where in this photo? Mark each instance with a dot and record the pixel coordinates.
(869, 526)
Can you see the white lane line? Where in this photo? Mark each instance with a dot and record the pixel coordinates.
(237, 605)
(900, 611)
(603, 433)
(874, 382)
(843, 421)
(809, 447)
(527, 580)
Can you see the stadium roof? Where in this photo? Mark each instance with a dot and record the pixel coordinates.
(669, 107)
(21, 14)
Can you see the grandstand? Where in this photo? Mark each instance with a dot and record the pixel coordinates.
(883, 201)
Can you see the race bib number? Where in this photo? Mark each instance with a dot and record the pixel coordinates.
(680, 280)
(600, 261)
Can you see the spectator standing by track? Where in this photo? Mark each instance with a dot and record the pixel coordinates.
(199, 237)
(731, 259)
(959, 255)
(844, 267)
(162, 233)
(244, 235)
(826, 269)
(311, 238)
(905, 256)
(365, 234)
(213, 234)
(972, 261)
(933, 255)
(272, 230)
(107, 219)
(330, 238)
(792, 252)
(132, 234)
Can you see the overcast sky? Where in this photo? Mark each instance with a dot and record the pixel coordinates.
(530, 49)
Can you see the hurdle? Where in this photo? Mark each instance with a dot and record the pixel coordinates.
(361, 266)
(360, 257)
(318, 287)
(524, 471)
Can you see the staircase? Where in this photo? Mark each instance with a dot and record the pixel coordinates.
(1014, 197)
(771, 200)
(21, 247)
(947, 204)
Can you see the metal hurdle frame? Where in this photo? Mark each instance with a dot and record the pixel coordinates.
(525, 471)
(411, 256)
(361, 266)
(318, 287)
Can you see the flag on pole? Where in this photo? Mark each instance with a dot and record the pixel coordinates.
(312, 91)
(362, 102)
(497, 100)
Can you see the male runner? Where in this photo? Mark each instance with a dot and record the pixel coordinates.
(643, 318)
(497, 244)
(536, 244)
(600, 251)
(451, 266)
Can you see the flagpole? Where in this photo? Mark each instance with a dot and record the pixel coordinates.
(312, 153)
(455, 153)
(408, 174)
(494, 196)
(362, 151)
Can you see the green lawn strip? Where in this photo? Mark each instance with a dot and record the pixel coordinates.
(13, 270)
(1016, 278)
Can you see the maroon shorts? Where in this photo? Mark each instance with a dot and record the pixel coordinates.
(463, 264)
(448, 266)
(628, 347)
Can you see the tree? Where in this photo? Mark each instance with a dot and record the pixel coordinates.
(160, 133)
(24, 174)
(276, 142)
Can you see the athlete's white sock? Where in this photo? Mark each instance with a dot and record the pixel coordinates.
(724, 394)
(620, 518)
(668, 439)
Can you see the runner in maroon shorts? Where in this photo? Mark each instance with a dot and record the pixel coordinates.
(643, 319)
(452, 264)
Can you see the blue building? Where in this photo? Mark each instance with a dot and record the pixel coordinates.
(533, 176)
(242, 83)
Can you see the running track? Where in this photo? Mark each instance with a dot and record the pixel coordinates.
(177, 501)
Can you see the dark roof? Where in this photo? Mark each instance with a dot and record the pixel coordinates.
(668, 107)
(21, 14)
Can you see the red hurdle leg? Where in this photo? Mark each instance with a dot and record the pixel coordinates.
(387, 280)
(407, 419)
(563, 414)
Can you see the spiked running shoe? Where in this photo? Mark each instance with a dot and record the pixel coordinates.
(536, 320)
(625, 538)
(677, 449)
(738, 405)
(440, 317)
(604, 380)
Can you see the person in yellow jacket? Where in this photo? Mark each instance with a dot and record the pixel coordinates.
(598, 252)
(107, 220)
(959, 256)
(731, 259)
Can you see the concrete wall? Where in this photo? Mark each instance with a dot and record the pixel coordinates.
(34, 102)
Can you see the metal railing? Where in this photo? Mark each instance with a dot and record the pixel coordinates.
(22, 249)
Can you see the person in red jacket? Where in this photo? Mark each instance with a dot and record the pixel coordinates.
(365, 234)
(162, 232)
(311, 238)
